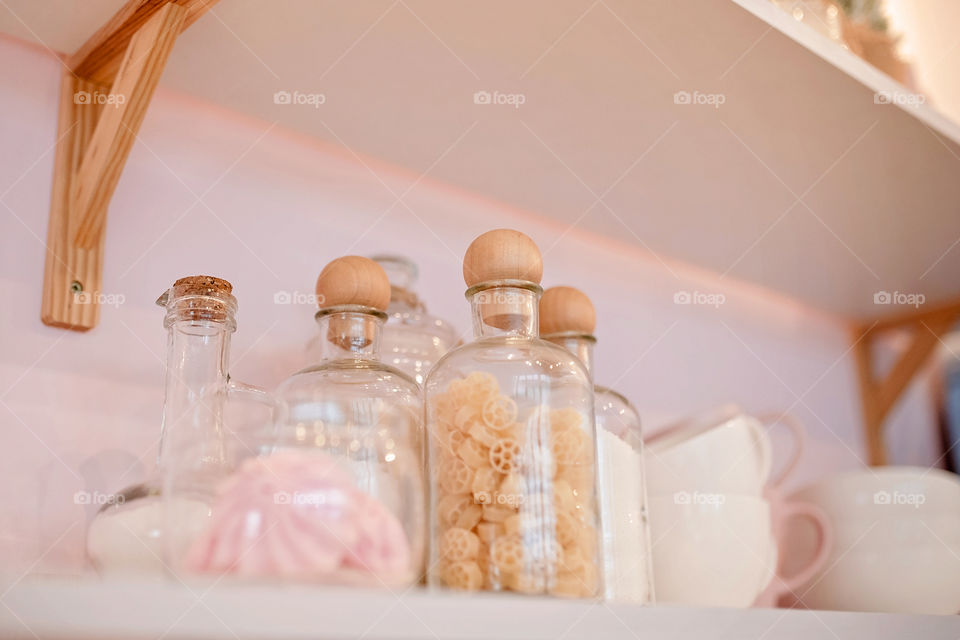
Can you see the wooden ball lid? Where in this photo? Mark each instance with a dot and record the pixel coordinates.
(566, 310)
(353, 280)
(502, 254)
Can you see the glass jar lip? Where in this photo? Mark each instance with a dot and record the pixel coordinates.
(513, 284)
(351, 308)
(566, 335)
(219, 308)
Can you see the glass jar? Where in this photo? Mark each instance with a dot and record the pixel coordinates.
(413, 340)
(511, 442)
(568, 319)
(337, 495)
(127, 535)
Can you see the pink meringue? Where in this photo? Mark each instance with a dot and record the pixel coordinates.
(297, 515)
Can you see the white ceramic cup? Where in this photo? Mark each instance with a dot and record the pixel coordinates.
(733, 456)
(896, 542)
(711, 550)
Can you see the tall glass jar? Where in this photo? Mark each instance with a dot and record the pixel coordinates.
(512, 444)
(127, 535)
(413, 340)
(568, 319)
(337, 494)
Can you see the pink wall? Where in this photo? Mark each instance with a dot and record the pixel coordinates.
(81, 411)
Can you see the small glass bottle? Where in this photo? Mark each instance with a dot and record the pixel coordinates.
(568, 319)
(413, 340)
(128, 534)
(337, 494)
(511, 442)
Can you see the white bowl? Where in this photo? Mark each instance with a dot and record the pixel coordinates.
(711, 550)
(896, 541)
(885, 491)
(922, 580)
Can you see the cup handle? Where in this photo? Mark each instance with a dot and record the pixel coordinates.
(799, 442)
(820, 521)
(242, 391)
(761, 442)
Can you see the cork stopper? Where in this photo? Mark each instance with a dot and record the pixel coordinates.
(202, 286)
(502, 254)
(353, 280)
(199, 299)
(566, 310)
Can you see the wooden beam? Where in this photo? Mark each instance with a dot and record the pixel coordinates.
(72, 275)
(926, 337)
(912, 316)
(872, 425)
(119, 122)
(103, 99)
(878, 397)
(100, 57)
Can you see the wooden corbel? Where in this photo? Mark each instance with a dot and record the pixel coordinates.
(878, 396)
(105, 91)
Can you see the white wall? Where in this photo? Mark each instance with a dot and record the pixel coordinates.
(81, 411)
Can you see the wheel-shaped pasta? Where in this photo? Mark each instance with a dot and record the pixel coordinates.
(499, 412)
(564, 419)
(470, 517)
(451, 507)
(489, 531)
(464, 575)
(459, 544)
(479, 432)
(474, 454)
(572, 447)
(567, 528)
(480, 386)
(455, 476)
(484, 485)
(507, 554)
(505, 455)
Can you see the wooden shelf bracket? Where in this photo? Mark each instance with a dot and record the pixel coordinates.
(106, 88)
(878, 396)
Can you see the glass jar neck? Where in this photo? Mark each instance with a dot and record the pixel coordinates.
(404, 301)
(350, 332)
(579, 344)
(198, 352)
(505, 308)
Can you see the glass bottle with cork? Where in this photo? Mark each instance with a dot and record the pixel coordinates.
(129, 534)
(568, 319)
(511, 439)
(337, 494)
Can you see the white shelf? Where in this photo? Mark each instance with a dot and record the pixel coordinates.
(716, 188)
(129, 610)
